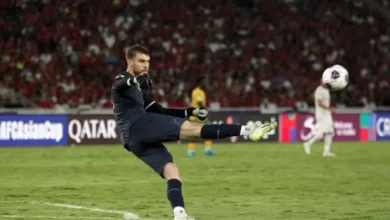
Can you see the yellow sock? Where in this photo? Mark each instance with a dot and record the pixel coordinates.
(208, 144)
(191, 146)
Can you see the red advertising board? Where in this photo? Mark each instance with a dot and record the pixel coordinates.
(346, 127)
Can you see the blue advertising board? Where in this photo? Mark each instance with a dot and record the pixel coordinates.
(33, 130)
(382, 126)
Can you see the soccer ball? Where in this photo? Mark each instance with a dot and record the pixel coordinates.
(335, 78)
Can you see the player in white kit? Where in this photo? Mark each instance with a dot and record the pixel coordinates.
(324, 121)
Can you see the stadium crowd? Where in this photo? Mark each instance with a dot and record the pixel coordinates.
(66, 54)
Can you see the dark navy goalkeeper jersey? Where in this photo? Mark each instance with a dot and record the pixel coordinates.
(129, 102)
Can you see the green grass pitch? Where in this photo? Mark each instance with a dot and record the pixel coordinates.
(244, 182)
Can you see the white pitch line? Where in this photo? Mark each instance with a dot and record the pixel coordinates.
(54, 217)
(125, 214)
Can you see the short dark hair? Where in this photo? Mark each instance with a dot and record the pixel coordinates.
(136, 49)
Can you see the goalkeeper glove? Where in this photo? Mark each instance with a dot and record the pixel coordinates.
(200, 113)
(142, 80)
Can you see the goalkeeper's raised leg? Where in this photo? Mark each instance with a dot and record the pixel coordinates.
(191, 130)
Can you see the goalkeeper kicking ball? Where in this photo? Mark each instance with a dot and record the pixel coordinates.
(335, 78)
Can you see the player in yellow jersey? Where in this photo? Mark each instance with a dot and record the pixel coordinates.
(198, 100)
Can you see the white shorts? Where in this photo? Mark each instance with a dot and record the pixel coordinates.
(324, 126)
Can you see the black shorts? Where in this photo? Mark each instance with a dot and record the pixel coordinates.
(147, 135)
(154, 154)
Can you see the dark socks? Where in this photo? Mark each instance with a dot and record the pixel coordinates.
(220, 131)
(174, 194)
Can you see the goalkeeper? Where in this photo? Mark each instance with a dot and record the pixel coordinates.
(145, 125)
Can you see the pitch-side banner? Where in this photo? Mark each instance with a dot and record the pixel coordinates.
(382, 126)
(33, 130)
(346, 127)
(92, 129)
(102, 129)
(245, 118)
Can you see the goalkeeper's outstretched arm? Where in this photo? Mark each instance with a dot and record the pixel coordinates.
(154, 107)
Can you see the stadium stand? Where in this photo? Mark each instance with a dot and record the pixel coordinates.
(64, 55)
